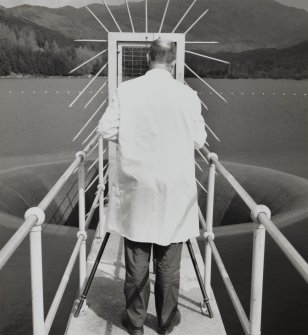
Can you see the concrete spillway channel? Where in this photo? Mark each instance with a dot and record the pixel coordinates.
(22, 187)
(25, 186)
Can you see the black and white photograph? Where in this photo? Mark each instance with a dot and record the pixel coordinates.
(153, 167)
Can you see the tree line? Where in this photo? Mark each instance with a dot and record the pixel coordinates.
(289, 63)
(22, 52)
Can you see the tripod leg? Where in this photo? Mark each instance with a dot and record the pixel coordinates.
(201, 284)
(92, 274)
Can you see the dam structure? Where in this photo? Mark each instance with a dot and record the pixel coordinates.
(104, 301)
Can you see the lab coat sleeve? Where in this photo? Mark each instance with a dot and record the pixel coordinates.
(199, 131)
(108, 126)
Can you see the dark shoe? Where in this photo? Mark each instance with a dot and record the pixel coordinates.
(174, 322)
(130, 328)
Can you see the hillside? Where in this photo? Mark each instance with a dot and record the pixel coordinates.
(260, 38)
(28, 48)
(291, 63)
(42, 33)
(237, 24)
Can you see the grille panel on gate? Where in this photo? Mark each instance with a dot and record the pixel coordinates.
(134, 61)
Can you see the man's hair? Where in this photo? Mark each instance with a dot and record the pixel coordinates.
(162, 51)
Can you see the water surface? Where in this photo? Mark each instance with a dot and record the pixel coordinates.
(265, 123)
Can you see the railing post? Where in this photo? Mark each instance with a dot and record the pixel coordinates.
(82, 221)
(257, 279)
(101, 186)
(209, 225)
(257, 270)
(37, 271)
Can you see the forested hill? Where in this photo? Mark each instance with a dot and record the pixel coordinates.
(238, 25)
(290, 63)
(261, 38)
(28, 48)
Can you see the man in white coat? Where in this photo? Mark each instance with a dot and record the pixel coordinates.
(157, 123)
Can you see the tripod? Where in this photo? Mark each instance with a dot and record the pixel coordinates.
(84, 294)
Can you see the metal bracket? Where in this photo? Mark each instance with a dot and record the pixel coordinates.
(209, 234)
(204, 309)
(81, 154)
(38, 212)
(212, 155)
(259, 209)
(82, 233)
(84, 308)
(100, 186)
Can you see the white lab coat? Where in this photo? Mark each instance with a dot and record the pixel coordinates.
(157, 123)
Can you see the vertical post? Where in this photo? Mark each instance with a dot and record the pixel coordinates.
(101, 186)
(209, 228)
(257, 279)
(82, 224)
(37, 280)
(146, 16)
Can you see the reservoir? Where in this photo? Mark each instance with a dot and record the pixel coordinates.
(264, 124)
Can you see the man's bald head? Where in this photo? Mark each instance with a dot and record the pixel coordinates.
(162, 51)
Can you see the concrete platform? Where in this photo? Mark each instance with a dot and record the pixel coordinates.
(106, 299)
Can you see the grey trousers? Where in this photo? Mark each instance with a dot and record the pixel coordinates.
(137, 283)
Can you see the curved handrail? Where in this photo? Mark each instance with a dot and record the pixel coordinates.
(14, 242)
(290, 252)
(260, 214)
(62, 180)
(35, 217)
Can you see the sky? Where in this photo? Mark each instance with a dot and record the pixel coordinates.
(79, 3)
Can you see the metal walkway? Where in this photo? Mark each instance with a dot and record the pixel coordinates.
(106, 298)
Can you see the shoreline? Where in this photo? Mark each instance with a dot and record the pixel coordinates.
(106, 77)
(49, 77)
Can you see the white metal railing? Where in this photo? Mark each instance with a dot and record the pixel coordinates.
(261, 216)
(34, 219)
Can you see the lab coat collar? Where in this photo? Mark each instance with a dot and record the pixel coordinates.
(159, 72)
